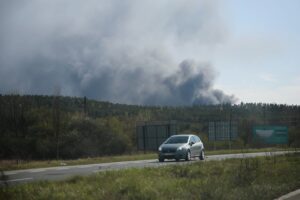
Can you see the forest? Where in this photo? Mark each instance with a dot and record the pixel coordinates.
(62, 127)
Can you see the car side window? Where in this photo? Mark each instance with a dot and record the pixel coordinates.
(193, 139)
(197, 139)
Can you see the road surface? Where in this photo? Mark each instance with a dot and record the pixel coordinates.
(63, 172)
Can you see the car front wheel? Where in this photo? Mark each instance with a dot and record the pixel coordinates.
(188, 156)
(202, 155)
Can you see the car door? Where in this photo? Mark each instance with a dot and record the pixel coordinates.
(198, 145)
(193, 147)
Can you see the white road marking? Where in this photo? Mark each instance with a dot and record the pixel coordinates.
(16, 180)
(83, 166)
(9, 173)
(61, 168)
(37, 170)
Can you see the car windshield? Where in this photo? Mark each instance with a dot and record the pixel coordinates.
(178, 140)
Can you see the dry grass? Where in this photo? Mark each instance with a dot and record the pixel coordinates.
(250, 178)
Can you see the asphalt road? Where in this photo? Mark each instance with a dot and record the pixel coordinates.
(60, 173)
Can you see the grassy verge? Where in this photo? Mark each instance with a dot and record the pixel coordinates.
(12, 165)
(233, 151)
(250, 178)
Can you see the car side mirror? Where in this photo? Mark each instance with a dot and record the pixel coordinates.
(191, 143)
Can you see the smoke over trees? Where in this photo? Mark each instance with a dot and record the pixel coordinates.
(136, 52)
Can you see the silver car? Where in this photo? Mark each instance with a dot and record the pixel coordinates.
(181, 147)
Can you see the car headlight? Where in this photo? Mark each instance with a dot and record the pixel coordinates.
(159, 149)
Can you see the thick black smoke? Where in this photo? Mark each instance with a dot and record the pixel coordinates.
(127, 51)
(193, 84)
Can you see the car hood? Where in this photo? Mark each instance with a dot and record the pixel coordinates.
(172, 146)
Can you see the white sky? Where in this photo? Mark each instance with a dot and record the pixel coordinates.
(260, 59)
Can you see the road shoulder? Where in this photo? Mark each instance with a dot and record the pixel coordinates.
(295, 195)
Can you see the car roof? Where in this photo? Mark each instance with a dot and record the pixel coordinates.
(182, 135)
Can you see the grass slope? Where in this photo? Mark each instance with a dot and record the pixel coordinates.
(251, 178)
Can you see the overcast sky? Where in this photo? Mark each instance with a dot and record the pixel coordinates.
(168, 52)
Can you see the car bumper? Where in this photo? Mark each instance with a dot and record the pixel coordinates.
(176, 155)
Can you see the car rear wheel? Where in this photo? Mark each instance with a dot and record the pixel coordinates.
(188, 156)
(202, 155)
(161, 159)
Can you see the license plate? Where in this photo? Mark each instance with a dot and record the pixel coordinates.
(168, 154)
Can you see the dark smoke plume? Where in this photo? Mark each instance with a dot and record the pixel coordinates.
(127, 51)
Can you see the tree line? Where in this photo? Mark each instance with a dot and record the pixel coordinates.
(49, 127)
